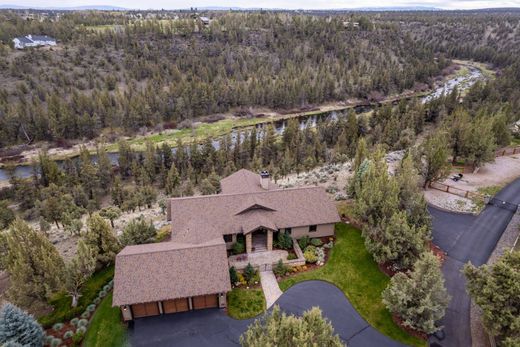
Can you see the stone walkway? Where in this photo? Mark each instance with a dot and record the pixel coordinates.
(270, 287)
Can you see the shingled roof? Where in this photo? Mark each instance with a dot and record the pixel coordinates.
(194, 262)
(165, 271)
(197, 219)
(244, 181)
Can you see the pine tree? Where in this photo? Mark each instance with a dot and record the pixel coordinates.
(17, 327)
(101, 239)
(172, 180)
(278, 329)
(33, 263)
(110, 213)
(78, 270)
(419, 297)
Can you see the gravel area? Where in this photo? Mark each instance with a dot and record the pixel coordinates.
(505, 244)
(449, 202)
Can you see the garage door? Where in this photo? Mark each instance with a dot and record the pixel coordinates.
(145, 310)
(205, 301)
(177, 305)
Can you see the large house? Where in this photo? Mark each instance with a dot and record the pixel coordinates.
(191, 270)
(33, 41)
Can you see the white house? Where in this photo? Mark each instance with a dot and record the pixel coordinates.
(33, 41)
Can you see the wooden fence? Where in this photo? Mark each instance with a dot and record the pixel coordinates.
(507, 151)
(455, 191)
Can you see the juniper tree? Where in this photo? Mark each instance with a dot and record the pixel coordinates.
(78, 270)
(111, 213)
(279, 329)
(6, 215)
(419, 297)
(172, 180)
(17, 327)
(34, 265)
(137, 232)
(101, 239)
(496, 289)
(396, 241)
(434, 159)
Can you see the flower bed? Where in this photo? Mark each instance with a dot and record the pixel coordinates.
(72, 332)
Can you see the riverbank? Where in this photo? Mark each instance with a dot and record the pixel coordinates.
(202, 129)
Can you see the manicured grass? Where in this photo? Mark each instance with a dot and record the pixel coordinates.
(62, 302)
(352, 269)
(106, 327)
(245, 303)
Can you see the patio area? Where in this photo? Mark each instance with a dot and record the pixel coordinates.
(240, 261)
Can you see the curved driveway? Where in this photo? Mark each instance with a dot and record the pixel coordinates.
(467, 238)
(214, 328)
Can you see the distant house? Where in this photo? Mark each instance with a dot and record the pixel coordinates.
(191, 270)
(33, 41)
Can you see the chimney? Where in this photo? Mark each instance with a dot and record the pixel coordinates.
(264, 179)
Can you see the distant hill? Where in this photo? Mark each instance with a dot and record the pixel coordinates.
(75, 8)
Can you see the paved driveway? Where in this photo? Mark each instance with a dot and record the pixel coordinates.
(214, 328)
(467, 238)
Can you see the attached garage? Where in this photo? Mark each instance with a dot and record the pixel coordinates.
(145, 310)
(177, 305)
(205, 301)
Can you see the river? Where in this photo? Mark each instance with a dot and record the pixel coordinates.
(462, 82)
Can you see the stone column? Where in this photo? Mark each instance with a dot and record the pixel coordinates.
(249, 242)
(222, 300)
(127, 313)
(269, 240)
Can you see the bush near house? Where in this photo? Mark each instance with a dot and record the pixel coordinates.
(238, 247)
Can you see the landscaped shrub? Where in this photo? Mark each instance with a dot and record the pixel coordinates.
(97, 301)
(56, 342)
(284, 241)
(82, 323)
(91, 308)
(303, 242)
(68, 334)
(310, 248)
(85, 315)
(48, 339)
(320, 254)
(291, 256)
(241, 280)
(81, 330)
(74, 321)
(107, 287)
(310, 255)
(233, 276)
(249, 273)
(102, 294)
(78, 337)
(238, 247)
(280, 269)
(57, 326)
(316, 242)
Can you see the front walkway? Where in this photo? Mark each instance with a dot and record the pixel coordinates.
(270, 287)
(240, 261)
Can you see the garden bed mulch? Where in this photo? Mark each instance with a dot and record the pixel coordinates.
(420, 335)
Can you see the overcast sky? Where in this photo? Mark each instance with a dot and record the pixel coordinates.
(291, 4)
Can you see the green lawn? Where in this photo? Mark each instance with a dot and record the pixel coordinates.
(352, 269)
(62, 302)
(245, 303)
(106, 327)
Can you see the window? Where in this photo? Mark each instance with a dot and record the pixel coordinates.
(288, 231)
(312, 228)
(228, 238)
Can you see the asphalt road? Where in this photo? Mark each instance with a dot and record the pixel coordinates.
(214, 328)
(468, 238)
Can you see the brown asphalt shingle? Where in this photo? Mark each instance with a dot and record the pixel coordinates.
(164, 271)
(243, 181)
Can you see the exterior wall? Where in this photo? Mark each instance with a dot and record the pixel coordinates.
(126, 312)
(269, 240)
(321, 231)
